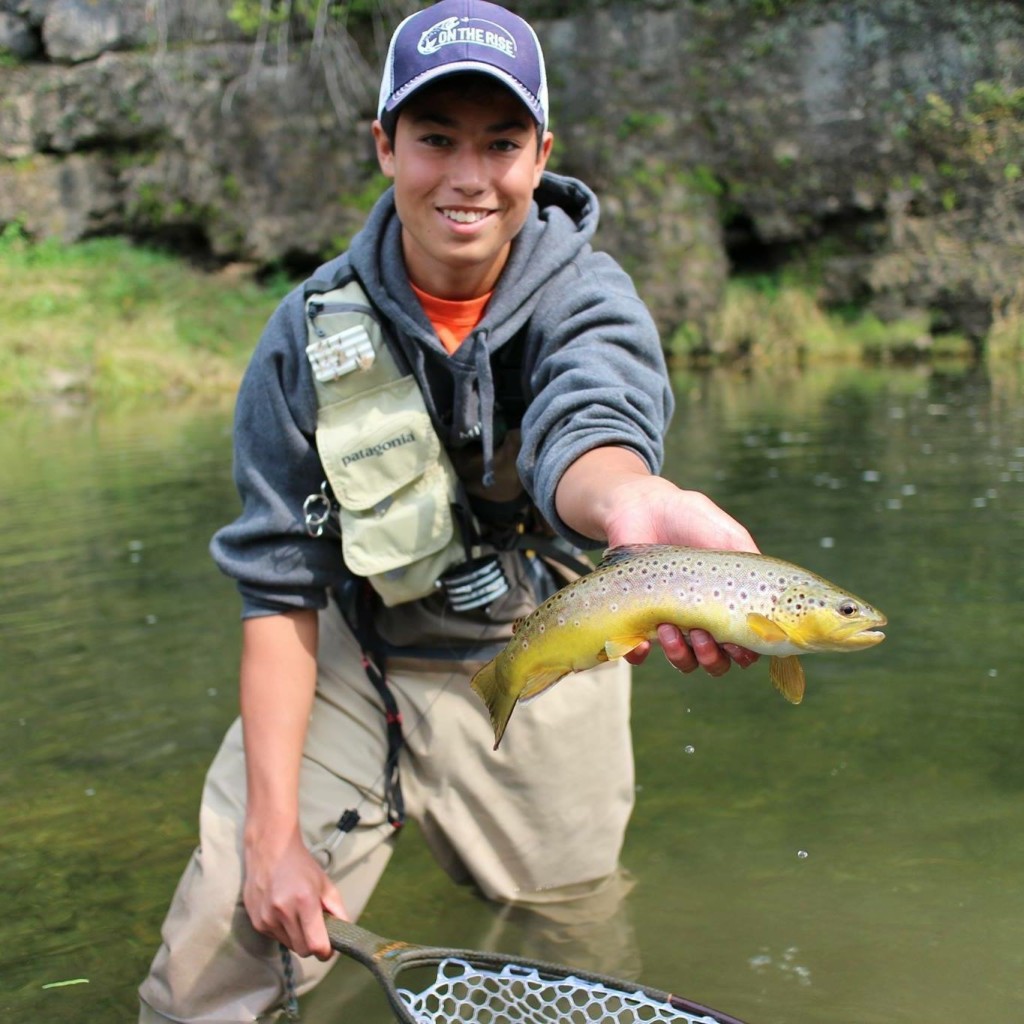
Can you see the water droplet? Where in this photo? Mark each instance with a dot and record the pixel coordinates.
(993, 672)
(689, 749)
(871, 476)
(802, 854)
(151, 620)
(908, 489)
(827, 542)
(90, 791)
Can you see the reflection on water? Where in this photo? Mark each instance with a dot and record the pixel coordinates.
(856, 859)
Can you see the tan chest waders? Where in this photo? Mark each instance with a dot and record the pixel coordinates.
(389, 472)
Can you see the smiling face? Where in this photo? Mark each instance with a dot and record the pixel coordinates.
(465, 161)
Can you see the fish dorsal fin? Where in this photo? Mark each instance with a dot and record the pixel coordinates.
(612, 556)
(618, 646)
(787, 675)
(767, 630)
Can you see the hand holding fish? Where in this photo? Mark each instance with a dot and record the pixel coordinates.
(736, 595)
(609, 493)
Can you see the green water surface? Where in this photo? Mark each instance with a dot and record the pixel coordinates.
(853, 860)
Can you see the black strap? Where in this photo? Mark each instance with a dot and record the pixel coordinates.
(356, 605)
(394, 801)
(549, 548)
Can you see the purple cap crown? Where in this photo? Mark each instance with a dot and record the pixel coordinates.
(465, 35)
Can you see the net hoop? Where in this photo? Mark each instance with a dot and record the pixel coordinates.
(515, 994)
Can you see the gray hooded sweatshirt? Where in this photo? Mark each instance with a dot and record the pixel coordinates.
(591, 373)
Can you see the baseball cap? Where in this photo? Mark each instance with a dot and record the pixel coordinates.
(465, 35)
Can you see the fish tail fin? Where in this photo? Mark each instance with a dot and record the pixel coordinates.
(500, 702)
(787, 676)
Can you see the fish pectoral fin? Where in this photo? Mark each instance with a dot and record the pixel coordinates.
(619, 646)
(787, 676)
(765, 628)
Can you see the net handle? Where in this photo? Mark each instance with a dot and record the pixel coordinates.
(387, 957)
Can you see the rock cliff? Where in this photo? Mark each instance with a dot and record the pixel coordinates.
(879, 146)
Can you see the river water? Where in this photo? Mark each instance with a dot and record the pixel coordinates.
(856, 859)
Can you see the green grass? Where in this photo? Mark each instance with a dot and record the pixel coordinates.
(107, 320)
(769, 321)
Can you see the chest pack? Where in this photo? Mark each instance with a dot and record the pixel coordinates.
(391, 476)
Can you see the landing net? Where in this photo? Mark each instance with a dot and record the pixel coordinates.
(521, 995)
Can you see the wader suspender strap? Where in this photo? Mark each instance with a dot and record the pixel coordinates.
(375, 664)
(355, 600)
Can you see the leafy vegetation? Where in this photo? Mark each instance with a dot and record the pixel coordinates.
(772, 320)
(252, 15)
(108, 320)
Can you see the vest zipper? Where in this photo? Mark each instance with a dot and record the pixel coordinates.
(316, 308)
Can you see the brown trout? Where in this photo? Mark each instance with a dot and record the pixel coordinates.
(761, 603)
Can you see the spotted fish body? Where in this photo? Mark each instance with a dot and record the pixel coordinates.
(761, 603)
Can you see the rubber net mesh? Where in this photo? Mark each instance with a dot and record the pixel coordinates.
(518, 995)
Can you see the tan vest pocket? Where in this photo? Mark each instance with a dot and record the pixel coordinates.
(395, 486)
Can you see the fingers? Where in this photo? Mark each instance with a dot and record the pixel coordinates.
(332, 902)
(639, 654)
(743, 657)
(676, 649)
(312, 935)
(700, 650)
(288, 903)
(300, 927)
(708, 654)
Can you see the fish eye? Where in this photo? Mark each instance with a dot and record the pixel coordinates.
(848, 608)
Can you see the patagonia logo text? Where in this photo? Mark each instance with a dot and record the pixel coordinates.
(375, 450)
(477, 31)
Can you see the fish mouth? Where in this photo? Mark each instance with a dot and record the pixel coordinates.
(867, 636)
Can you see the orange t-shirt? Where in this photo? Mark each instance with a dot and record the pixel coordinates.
(453, 319)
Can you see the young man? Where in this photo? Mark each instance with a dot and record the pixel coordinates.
(527, 383)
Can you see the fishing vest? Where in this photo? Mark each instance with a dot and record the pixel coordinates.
(392, 478)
